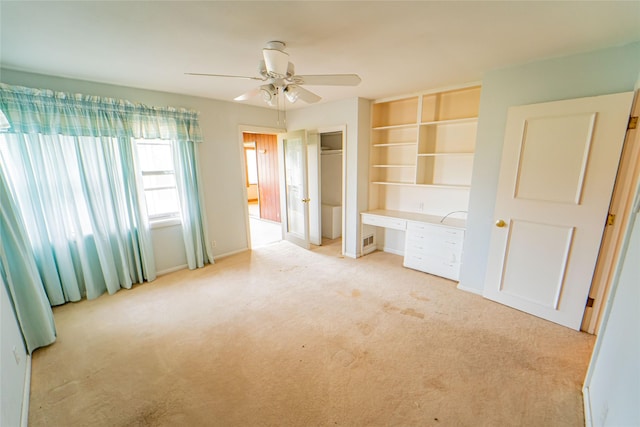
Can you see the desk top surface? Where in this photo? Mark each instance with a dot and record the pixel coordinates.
(419, 217)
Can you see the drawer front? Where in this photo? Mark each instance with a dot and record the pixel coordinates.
(445, 269)
(433, 265)
(434, 250)
(422, 229)
(384, 221)
(415, 261)
(434, 244)
(434, 241)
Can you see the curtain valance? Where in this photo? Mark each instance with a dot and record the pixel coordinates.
(31, 111)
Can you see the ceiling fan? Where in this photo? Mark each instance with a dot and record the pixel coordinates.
(278, 75)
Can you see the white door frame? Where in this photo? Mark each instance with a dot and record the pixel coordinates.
(343, 129)
(621, 206)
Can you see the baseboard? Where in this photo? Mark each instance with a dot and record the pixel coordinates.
(472, 290)
(230, 253)
(586, 400)
(350, 255)
(171, 270)
(24, 415)
(393, 251)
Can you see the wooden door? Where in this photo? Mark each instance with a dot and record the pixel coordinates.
(558, 167)
(268, 181)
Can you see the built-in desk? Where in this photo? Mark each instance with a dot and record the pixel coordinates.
(431, 245)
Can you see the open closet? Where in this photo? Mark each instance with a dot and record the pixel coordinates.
(331, 182)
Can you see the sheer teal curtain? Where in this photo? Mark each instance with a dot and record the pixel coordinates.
(194, 230)
(77, 196)
(20, 275)
(69, 160)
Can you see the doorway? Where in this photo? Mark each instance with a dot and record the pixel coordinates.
(263, 187)
(331, 185)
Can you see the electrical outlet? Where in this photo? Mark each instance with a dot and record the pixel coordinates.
(213, 243)
(421, 207)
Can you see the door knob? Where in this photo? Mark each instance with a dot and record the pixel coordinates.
(306, 200)
(500, 223)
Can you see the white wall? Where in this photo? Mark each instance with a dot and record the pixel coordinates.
(13, 371)
(168, 249)
(613, 381)
(331, 168)
(355, 114)
(331, 178)
(220, 154)
(596, 73)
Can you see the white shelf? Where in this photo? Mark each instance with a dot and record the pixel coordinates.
(393, 166)
(444, 154)
(412, 184)
(396, 144)
(393, 183)
(410, 125)
(450, 122)
(422, 151)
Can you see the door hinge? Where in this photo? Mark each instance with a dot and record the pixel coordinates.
(611, 219)
(590, 302)
(633, 122)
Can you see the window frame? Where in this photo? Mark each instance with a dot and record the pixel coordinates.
(167, 218)
(250, 146)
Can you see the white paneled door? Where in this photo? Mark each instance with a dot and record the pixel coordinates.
(294, 193)
(558, 168)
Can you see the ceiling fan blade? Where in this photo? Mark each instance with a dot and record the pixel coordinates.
(226, 75)
(329, 80)
(307, 96)
(247, 95)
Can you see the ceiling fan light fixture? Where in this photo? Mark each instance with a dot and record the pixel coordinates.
(269, 93)
(292, 93)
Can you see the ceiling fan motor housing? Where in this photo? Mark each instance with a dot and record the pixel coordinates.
(276, 59)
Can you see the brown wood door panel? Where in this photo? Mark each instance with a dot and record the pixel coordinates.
(268, 181)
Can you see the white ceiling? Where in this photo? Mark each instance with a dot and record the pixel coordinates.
(396, 47)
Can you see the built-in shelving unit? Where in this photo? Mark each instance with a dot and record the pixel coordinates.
(426, 139)
(422, 150)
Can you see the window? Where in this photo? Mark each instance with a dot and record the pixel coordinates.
(159, 179)
(251, 163)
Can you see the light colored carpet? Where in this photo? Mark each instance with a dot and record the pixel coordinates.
(281, 336)
(264, 232)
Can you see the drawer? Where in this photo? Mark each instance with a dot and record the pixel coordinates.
(384, 221)
(451, 243)
(434, 251)
(433, 265)
(415, 261)
(423, 229)
(446, 270)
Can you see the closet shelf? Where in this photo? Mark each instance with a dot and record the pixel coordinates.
(329, 151)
